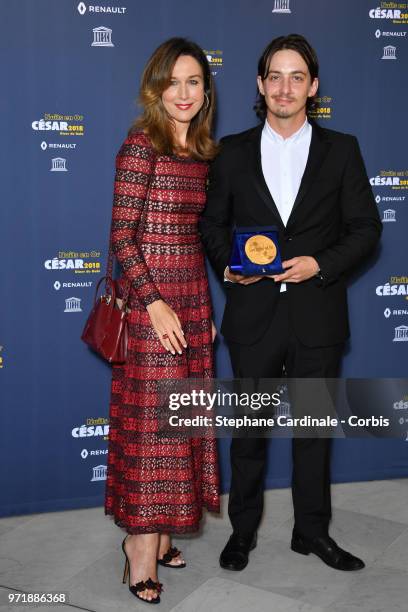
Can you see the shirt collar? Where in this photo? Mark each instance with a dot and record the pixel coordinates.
(301, 132)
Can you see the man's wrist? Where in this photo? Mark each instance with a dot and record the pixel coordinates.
(318, 274)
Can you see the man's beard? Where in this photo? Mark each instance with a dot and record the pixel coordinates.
(282, 114)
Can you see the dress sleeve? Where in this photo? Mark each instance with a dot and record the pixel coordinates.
(134, 166)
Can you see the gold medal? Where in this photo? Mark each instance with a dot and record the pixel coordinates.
(260, 249)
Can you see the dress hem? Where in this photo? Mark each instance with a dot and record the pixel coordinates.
(165, 529)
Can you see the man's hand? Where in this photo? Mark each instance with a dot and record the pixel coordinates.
(297, 269)
(239, 278)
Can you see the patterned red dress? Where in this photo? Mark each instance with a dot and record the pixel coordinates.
(156, 483)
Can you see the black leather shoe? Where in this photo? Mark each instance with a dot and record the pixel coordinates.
(236, 552)
(328, 551)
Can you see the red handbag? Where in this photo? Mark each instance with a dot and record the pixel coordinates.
(106, 330)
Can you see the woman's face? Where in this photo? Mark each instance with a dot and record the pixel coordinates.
(185, 95)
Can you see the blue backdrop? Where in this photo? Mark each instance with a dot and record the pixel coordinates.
(69, 84)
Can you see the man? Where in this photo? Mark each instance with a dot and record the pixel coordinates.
(312, 184)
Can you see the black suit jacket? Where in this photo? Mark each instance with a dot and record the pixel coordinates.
(334, 219)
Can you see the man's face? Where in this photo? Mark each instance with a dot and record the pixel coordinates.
(287, 85)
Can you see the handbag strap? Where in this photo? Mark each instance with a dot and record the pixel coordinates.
(140, 229)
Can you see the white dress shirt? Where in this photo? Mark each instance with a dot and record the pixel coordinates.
(283, 165)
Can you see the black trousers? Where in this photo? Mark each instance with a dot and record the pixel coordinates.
(311, 456)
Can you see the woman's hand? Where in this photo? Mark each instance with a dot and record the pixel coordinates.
(213, 331)
(167, 326)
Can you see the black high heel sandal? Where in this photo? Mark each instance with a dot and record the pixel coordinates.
(143, 584)
(168, 556)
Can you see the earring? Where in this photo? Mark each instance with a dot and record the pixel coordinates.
(207, 101)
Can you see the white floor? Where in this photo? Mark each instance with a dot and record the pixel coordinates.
(78, 552)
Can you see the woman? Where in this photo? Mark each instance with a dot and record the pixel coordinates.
(157, 486)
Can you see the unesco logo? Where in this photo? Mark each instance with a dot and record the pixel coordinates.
(73, 304)
(401, 333)
(389, 216)
(99, 473)
(58, 164)
(281, 6)
(102, 37)
(389, 52)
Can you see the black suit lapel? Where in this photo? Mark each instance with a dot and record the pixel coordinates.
(319, 148)
(254, 144)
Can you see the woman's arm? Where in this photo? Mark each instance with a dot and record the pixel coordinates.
(134, 166)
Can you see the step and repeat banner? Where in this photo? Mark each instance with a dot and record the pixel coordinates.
(70, 75)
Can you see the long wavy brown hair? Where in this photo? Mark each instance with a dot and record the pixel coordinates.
(155, 121)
